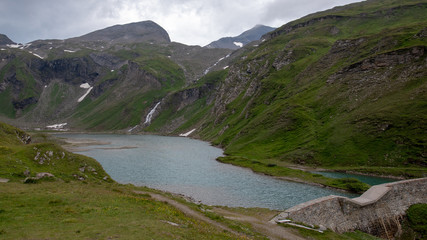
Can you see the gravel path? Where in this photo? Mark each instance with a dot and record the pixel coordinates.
(263, 226)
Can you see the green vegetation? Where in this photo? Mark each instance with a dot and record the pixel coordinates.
(20, 76)
(80, 201)
(6, 106)
(57, 210)
(417, 220)
(151, 76)
(19, 160)
(331, 93)
(352, 185)
(192, 112)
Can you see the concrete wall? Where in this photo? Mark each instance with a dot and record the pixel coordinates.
(377, 211)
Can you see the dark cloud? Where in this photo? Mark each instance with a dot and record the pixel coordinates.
(187, 21)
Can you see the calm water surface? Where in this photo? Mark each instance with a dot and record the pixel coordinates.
(363, 178)
(187, 166)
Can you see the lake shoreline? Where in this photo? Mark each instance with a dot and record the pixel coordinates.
(93, 144)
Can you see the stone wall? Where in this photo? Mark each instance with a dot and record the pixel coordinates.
(378, 211)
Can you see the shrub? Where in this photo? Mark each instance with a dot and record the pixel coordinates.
(417, 217)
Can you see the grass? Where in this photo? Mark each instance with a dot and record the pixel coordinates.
(372, 120)
(351, 185)
(57, 210)
(69, 207)
(417, 219)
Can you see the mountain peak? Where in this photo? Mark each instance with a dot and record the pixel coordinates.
(246, 37)
(4, 40)
(145, 31)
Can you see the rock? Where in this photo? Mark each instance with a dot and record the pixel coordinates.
(31, 180)
(44, 175)
(91, 169)
(78, 177)
(37, 156)
(82, 169)
(27, 172)
(322, 228)
(4, 180)
(105, 178)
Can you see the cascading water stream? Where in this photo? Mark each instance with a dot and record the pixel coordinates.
(150, 114)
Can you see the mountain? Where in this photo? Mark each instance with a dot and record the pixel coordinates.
(107, 79)
(342, 89)
(146, 31)
(246, 37)
(4, 40)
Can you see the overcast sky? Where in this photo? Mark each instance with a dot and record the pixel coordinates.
(192, 22)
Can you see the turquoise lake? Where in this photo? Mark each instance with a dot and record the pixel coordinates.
(363, 178)
(188, 167)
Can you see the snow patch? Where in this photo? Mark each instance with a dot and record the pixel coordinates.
(69, 51)
(187, 133)
(3, 49)
(57, 126)
(45, 86)
(225, 67)
(14, 45)
(150, 114)
(219, 60)
(87, 92)
(239, 44)
(112, 70)
(35, 54)
(85, 85)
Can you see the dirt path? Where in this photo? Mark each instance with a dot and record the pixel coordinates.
(263, 226)
(187, 211)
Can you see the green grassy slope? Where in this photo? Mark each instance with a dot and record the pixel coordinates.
(341, 88)
(20, 160)
(81, 203)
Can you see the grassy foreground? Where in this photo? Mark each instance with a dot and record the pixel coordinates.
(80, 201)
(74, 210)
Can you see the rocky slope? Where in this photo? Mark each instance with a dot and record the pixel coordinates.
(345, 87)
(108, 79)
(253, 34)
(4, 40)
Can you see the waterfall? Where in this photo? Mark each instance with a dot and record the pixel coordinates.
(150, 114)
(130, 130)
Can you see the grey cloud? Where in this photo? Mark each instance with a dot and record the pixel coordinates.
(187, 21)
